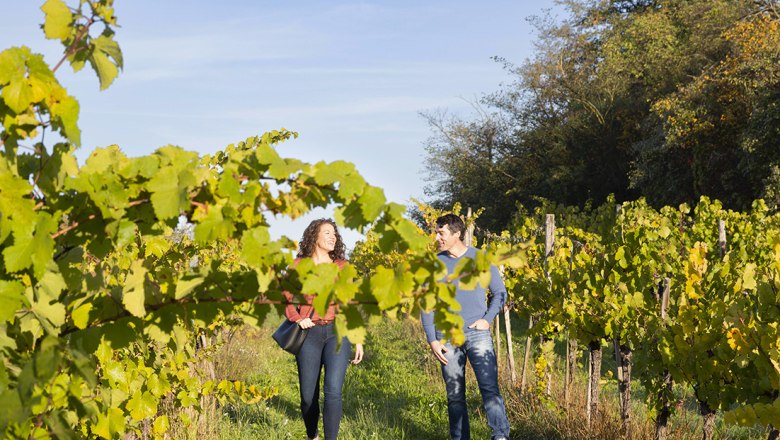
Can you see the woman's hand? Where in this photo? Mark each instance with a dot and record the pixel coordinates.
(305, 323)
(358, 354)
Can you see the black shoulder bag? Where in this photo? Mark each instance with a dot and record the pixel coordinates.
(290, 335)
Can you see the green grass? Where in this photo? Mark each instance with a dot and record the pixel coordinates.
(397, 393)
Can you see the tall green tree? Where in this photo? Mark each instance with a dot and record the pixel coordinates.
(614, 101)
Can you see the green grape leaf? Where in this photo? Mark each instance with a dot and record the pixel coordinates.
(158, 386)
(110, 47)
(388, 285)
(749, 277)
(29, 323)
(11, 407)
(266, 155)
(155, 245)
(161, 425)
(212, 225)
(30, 248)
(58, 168)
(416, 240)
(104, 353)
(229, 186)
(11, 295)
(145, 167)
(620, 257)
(165, 193)
(15, 200)
(329, 173)
(66, 112)
(49, 312)
(142, 405)
(320, 282)
(350, 323)
(110, 424)
(18, 95)
(58, 19)
(106, 70)
(186, 285)
(254, 246)
(346, 287)
(12, 64)
(352, 185)
(281, 169)
(116, 374)
(125, 233)
(47, 359)
(134, 290)
(81, 315)
(43, 84)
(371, 202)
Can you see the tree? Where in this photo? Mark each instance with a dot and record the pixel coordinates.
(624, 98)
(726, 121)
(469, 164)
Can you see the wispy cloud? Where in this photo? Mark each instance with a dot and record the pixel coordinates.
(356, 107)
(223, 45)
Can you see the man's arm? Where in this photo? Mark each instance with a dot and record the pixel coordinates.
(497, 295)
(427, 323)
(430, 333)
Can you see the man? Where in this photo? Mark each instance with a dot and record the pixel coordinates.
(478, 347)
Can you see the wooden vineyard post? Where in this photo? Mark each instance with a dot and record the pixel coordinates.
(571, 355)
(497, 322)
(665, 411)
(469, 235)
(704, 408)
(549, 243)
(588, 395)
(524, 372)
(623, 357)
(571, 370)
(510, 350)
(623, 361)
(509, 346)
(594, 375)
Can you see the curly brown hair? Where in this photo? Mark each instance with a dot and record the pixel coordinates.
(306, 245)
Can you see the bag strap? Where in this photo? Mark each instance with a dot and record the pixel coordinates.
(311, 312)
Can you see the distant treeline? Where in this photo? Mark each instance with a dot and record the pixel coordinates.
(667, 100)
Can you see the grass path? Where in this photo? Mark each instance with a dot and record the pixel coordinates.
(397, 393)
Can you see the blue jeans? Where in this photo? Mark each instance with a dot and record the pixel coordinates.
(479, 351)
(319, 349)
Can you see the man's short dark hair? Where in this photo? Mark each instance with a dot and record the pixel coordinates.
(454, 223)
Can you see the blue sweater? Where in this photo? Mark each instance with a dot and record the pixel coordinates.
(473, 303)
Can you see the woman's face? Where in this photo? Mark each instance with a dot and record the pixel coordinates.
(326, 237)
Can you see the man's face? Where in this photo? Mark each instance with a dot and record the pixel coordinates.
(446, 238)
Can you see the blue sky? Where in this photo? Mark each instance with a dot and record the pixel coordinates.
(350, 77)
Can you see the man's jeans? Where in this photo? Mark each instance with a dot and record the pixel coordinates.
(479, 350)
(319, 349)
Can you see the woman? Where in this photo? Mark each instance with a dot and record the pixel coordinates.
(322, 243)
